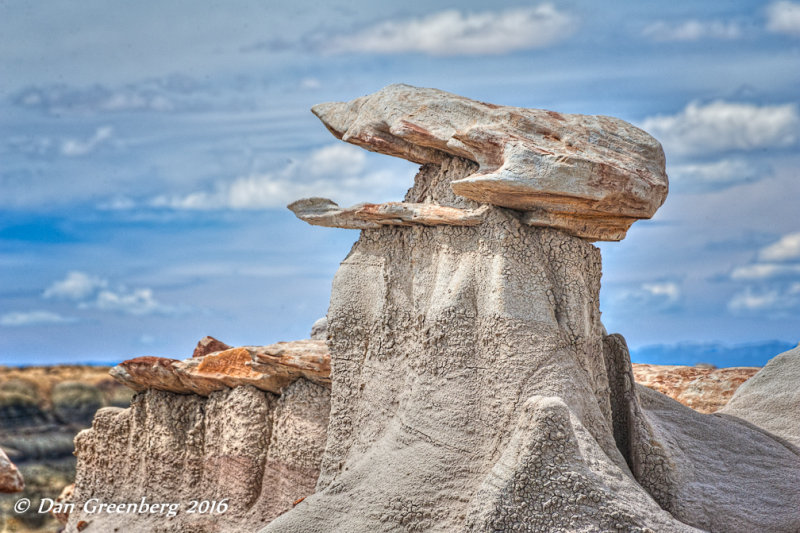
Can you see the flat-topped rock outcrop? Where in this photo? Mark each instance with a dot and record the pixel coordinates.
(208, 428)
(591, 176)
(269, 368)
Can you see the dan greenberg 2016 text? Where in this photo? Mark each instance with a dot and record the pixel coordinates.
(168, 509)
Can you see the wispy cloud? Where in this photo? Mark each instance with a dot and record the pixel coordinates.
(760, 271)
(660, 296)
(692, 30)
(131, 302)
(784, 17)
(770, 301)
(772, 281)
(32, 318)
(786, 249)
(716, 175)
(336, 171)
(156, 94)
(94, 292)
(79, 147)
(75, 286)
(449, 33)
(720, 126)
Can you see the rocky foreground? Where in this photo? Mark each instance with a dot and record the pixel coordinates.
(217, 368)
(42, 408)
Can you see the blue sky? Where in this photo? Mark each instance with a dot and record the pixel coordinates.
(148, 150)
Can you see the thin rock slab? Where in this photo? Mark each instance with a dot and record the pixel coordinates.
(324, 212)
(149, 372)
(591, 176)
(269, 368)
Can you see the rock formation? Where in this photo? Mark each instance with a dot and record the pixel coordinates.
(10, 479)
(703, 389)
(473, 385)
(209, 428)
(590, 176)
(771, 398)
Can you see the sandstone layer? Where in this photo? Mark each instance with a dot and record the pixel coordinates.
(324, 212)
(269, 368)
(705, 390)
(591, 176)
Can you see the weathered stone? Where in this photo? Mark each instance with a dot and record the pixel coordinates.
(592, 176)
(309, 359)
(208, 345)
(425, 320)
(269, 368)
(257, 452)
(771, 398)
(61, 508)
(10, 478)
(149, 372)
(422, 322)
(324, 212)
(229, 369)
(703, 389)
(319, 329)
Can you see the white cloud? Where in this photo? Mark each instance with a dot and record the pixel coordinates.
(721, 125)
(310, 83)
(668, 290)
(451, 32)
(784, 17)
(92, 292)
(752, 301)
(692, 30)
(703, 177)
(761, 271)
(786, 249)
(148, 95)
(772, 300)
(652, 296)
(78, 147)
(132, 302)
(32, 318)
(75, 286)
(336, 171)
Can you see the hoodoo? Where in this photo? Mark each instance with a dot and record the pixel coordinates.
(474, 387)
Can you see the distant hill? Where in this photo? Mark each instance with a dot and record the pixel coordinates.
(715, 353)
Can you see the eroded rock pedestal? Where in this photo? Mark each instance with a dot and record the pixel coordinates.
(244, 426)
(473, 385)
